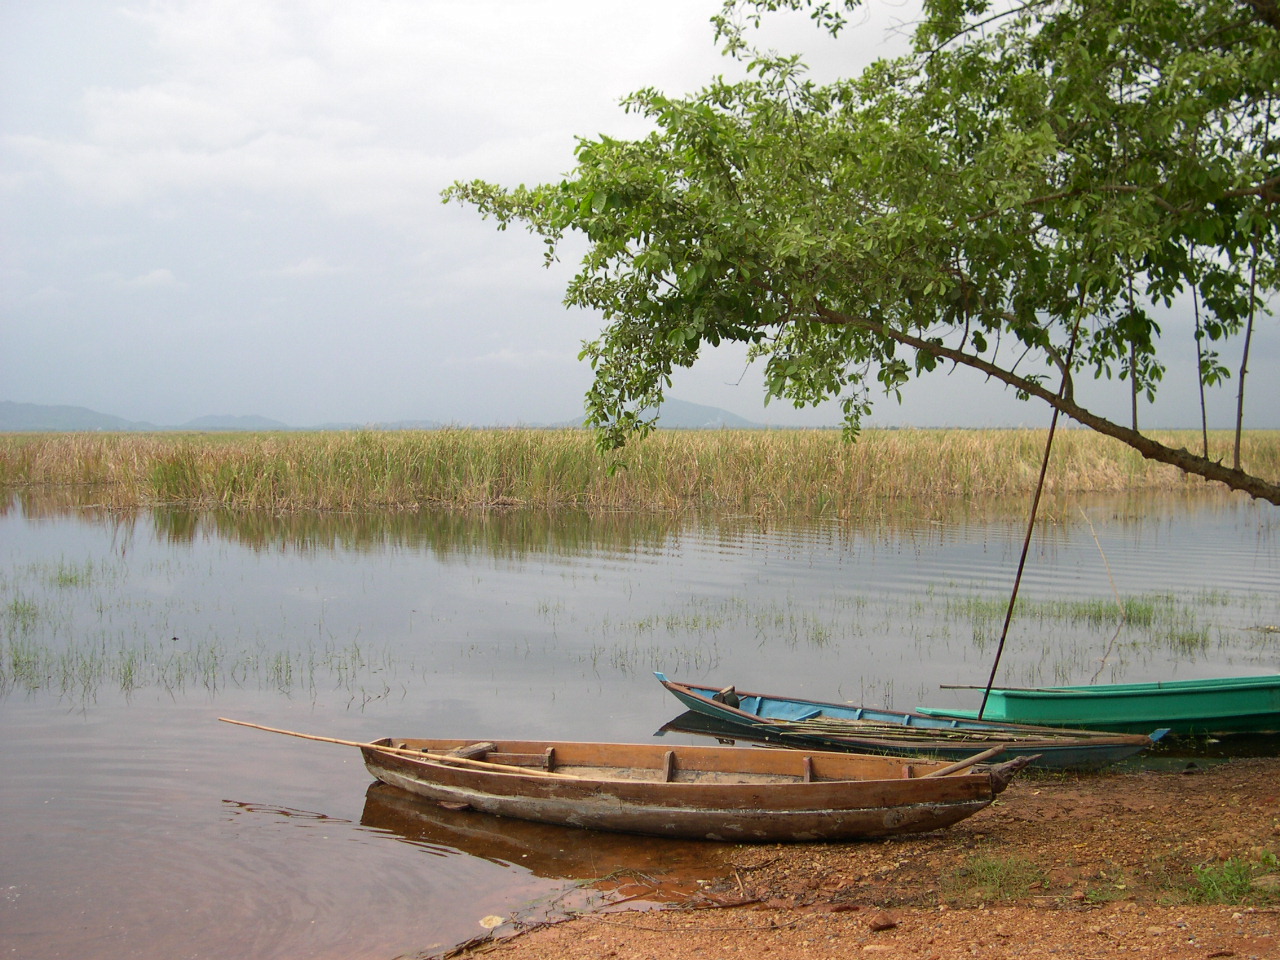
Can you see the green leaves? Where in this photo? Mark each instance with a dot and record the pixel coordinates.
(1026, 174)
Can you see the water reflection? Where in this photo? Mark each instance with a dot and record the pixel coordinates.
(375, 607)
(124, 635)
(515, 533)
(445, 533)
(544, 850)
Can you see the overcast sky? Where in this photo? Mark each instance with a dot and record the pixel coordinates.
(232, 207)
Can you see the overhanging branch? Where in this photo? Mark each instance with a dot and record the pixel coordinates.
(1151, 449)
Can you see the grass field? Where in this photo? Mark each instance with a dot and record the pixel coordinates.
(766, 472)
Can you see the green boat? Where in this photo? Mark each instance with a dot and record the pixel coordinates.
(1187, 707)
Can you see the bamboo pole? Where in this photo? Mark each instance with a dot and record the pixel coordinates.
(415, 754)
(846, 727)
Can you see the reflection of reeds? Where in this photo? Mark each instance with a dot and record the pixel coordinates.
(758, 471)
(82, 667)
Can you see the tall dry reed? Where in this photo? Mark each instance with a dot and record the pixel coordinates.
(754, 471)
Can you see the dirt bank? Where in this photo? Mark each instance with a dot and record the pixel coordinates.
(1101, 865)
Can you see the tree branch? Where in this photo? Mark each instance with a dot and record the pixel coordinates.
(1268, 190)
(1266, 11)
(1150, 449)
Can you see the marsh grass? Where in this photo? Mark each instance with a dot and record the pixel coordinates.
(78, 575)
(20, 614)
(1058, 637)
(1156, 620)
(73, 628)
(688, 638)
(81, 669)
(765, 472)
(1235, 881)
(997, 879)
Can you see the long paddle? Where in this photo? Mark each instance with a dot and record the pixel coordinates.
(415, 754)
(965, 764)
(505, 768)
(979, 686)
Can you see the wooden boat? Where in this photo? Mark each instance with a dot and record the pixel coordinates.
(1187, 707)
(837, 726)
(734, 794)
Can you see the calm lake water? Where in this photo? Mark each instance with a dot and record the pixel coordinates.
(136, 825)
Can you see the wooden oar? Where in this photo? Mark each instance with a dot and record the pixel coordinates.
(965, 764)
(980, 686)
(415, 754)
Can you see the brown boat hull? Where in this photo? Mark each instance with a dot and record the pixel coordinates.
(739, 795)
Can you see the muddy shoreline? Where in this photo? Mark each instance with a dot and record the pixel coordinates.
(1092, 865)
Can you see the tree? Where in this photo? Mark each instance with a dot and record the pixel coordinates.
(1021, 195)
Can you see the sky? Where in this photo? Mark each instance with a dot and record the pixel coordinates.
(232, 207)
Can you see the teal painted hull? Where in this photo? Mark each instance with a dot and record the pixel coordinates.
(1187, 707)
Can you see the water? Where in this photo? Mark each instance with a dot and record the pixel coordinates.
(136, 825)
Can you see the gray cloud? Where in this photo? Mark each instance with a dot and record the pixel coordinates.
(233, 206)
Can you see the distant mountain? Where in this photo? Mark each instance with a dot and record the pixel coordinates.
(227, 422)
(681, 415)
(34, 417)
(411, 425)
(38, 417)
